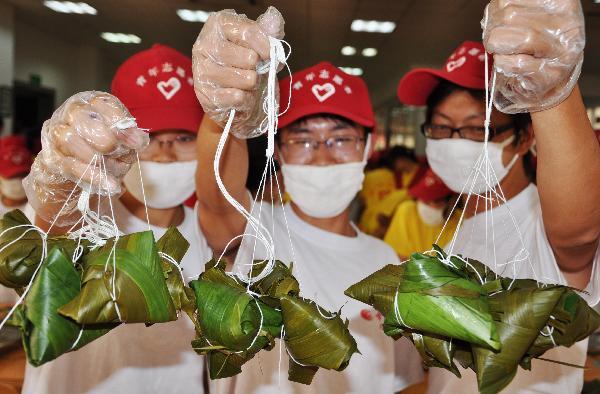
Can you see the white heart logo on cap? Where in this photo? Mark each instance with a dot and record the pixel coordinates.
(454, 64)
(169, 88)
(323, 92)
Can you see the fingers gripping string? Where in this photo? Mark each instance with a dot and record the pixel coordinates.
(269, 125)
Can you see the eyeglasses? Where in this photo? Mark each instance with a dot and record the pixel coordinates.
(180, 144)
(474, 133)
(301, 150)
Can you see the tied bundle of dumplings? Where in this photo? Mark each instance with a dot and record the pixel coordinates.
(236, 321)
(132, 279)
(457, 309)
(76, 287)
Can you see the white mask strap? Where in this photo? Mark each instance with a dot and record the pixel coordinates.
(367, 148)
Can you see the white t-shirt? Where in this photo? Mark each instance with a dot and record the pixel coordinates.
(133, 358)
(544, 377)
(326, 264)
(8, 296)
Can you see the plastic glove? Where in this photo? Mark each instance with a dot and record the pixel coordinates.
(225, 58)
(538, 51)
(90, 142)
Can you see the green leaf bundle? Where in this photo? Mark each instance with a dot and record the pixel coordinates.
(45, 333)
(22, 249)
(123, 283)
(235, 322)
(457, 309)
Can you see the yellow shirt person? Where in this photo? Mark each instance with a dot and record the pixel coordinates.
(417, 223)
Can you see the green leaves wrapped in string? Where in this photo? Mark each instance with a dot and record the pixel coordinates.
(457, 309)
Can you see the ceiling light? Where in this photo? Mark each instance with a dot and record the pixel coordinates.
(193, 15)
(372, 26)
(369, 52)
(348, 50)
(70, 7)
(352, 70)
(121, 38)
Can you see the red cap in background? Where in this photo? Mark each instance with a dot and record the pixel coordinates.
(465, 67)
(429, 188)
(324, 88)
(157, 87)
(15, 158)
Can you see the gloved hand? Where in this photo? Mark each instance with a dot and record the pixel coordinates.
(538, 51)
(226, 56)
(89, 142)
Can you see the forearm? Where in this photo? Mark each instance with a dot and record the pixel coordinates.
(568, 174)
(220, 220)
(233, 168)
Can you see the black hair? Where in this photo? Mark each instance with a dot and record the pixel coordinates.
(1, 122)
(521, 121)
(397, 152)
(337, 119)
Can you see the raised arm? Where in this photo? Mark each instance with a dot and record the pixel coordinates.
(538, 52)
(226, 56)
(219, 220)
(568, 177)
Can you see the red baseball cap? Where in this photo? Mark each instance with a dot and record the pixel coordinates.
(429, 188)
(15, 158)
(324, 88)
(465, 67)
(157, 87)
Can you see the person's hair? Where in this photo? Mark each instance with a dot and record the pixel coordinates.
(337, 119)
(521, 121)
(396, 152)
(1, 123)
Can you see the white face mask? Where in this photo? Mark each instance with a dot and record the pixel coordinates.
(431, 216)
(13, 189)
(324, 191)
(453, 159)
(167, 185)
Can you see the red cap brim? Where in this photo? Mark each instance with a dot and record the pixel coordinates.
(168, 118)
(416, 86)
(293, 114)
(11, 172)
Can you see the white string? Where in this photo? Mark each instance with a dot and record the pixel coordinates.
(262, 234)
(143, 191)
(174, 262)
(44, 238)
(493, 195)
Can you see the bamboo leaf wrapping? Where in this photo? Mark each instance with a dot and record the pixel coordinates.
(46, 334)
(235, 321)
(19, 260)
(458, 310)
(232, 326)
(315, 337)
(173, 244)
(142, 295)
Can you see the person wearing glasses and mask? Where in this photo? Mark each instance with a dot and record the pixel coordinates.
(156, 87)
(322, 146)
(558, 222)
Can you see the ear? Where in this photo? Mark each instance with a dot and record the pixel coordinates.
(526, 141)
(277, 154)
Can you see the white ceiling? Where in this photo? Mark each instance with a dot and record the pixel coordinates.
(426, 32)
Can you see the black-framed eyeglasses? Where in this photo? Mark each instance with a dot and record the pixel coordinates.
(474, 133)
